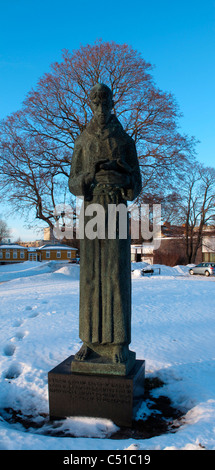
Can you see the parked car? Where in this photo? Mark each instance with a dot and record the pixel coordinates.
(207, 269)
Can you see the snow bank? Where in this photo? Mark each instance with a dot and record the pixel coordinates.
(72, 270)
(26, 269)
(160, 270)
(9, 272)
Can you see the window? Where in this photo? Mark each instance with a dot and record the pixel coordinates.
(1, 254)
(32, 257)
(14, 254)
(58, 254)
(68, 254)
(7, 256)
(208, 257)
(47, 254)
(22, 255)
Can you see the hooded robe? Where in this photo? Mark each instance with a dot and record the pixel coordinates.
(105, 264)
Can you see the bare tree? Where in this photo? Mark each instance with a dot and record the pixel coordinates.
(4, 230)
(28, 181)
(36, 142)
(198, 207)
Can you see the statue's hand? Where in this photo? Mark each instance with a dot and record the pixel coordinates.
(89, 178)
(117, 165)
(109, 165)
(88, 185)
(113, 177)
(99, 164)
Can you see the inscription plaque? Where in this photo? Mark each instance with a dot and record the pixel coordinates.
(102, 396)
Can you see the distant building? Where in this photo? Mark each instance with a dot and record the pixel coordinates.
(56, 252)
(171, 247)
(12, 253)
(144, 252)
(31, 244)
(208, 248)
(48, 234)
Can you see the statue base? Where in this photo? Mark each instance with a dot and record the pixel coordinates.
(102, 365)
(106, 396)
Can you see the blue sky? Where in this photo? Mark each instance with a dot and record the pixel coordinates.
(177, 37)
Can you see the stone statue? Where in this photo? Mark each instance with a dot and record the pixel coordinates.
(105, 171)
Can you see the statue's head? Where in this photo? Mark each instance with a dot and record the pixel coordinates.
(101, 102)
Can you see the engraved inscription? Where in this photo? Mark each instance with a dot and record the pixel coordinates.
(119, 392)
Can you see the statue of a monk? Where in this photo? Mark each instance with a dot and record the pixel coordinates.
(105, 170)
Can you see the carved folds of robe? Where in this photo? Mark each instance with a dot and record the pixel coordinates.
(105, 267)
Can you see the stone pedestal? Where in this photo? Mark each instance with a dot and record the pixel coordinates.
(107, 396)
(102, 365)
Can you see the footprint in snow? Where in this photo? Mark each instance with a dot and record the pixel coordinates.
(18, 323)
(20, 335)
(13, 371)
(9, 349)
(34, 314)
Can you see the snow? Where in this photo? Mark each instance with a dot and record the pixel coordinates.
(57, 247)
(12, 246)
(173, 326)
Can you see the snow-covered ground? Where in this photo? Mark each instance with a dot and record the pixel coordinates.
(173, 329)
